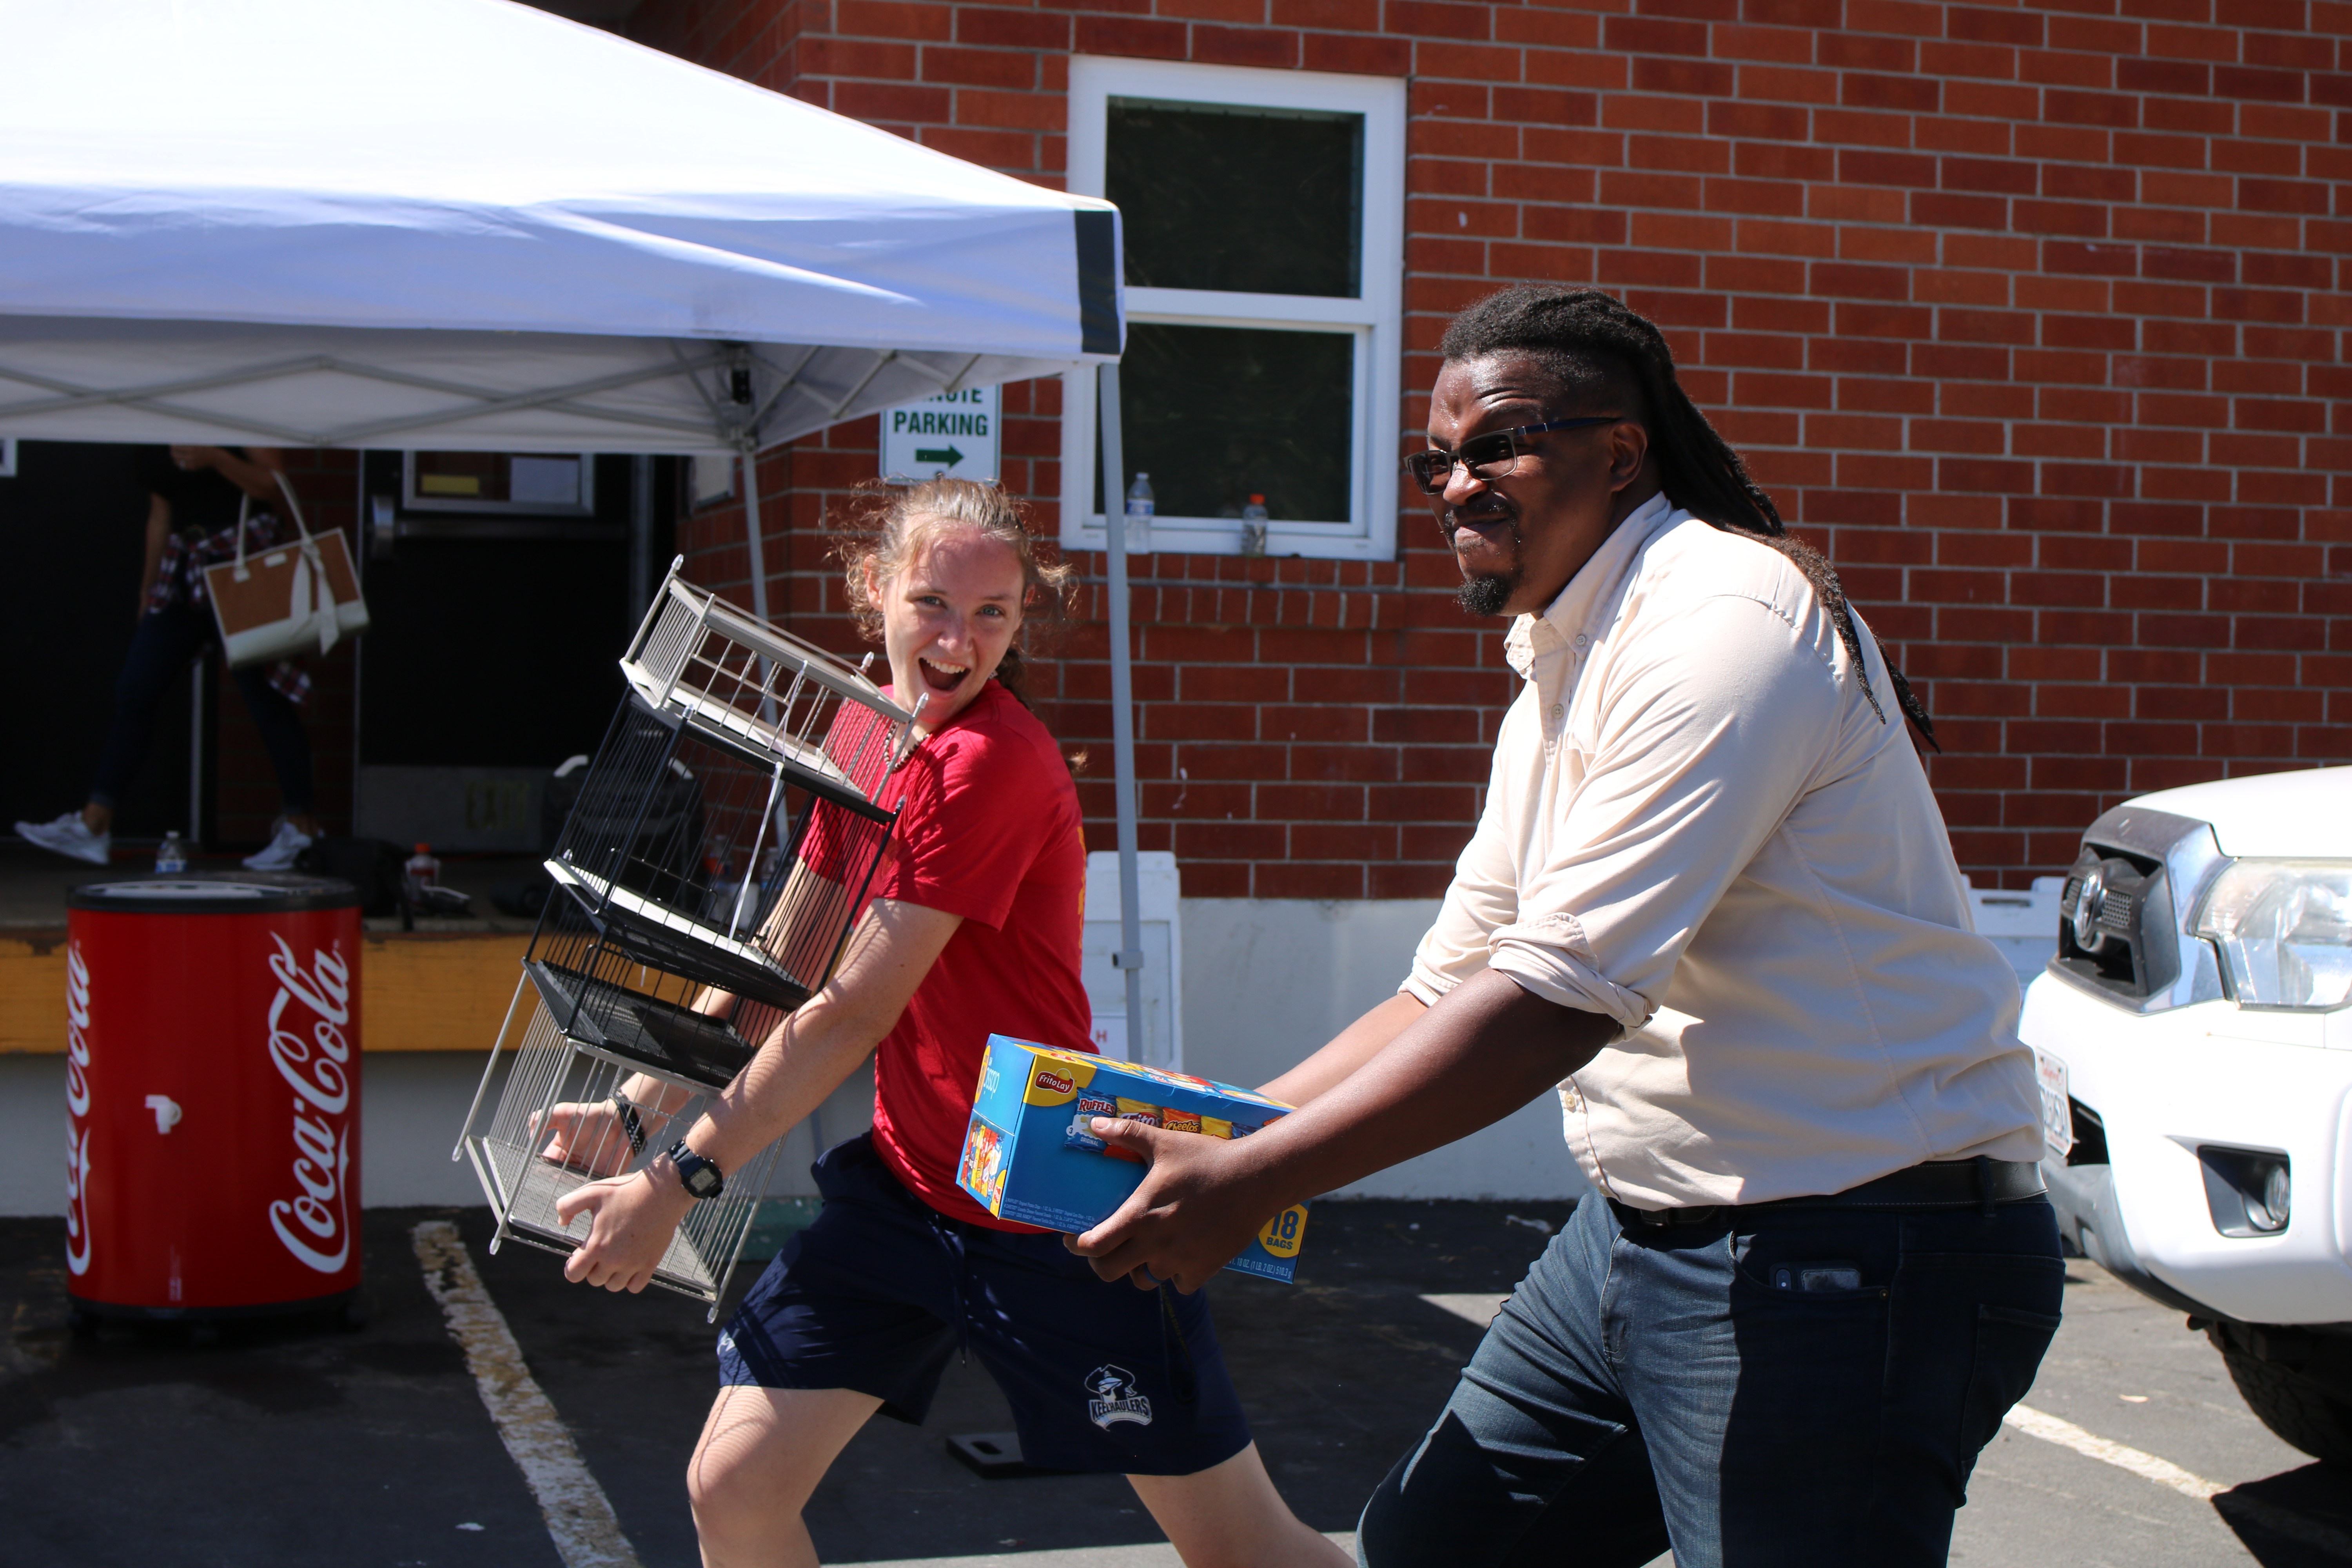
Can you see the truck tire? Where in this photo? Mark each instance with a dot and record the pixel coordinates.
(2293, 1407)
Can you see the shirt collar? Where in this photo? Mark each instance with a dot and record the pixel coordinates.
(1591, 588)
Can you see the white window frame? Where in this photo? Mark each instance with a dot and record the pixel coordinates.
(1374, 320)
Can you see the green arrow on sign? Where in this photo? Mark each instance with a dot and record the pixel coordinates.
(947, 456)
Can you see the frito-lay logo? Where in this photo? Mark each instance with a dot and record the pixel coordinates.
(1055, 1083)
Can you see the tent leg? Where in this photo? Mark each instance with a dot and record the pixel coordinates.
(1130, 958)
(750, 454)
(641, 536)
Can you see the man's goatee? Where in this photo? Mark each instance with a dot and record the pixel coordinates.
(1487, 593)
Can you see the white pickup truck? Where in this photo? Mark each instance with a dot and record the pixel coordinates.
(2194, 1037)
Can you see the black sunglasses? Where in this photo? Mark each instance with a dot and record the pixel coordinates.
(1488, 456)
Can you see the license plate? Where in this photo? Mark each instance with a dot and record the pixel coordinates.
(2057, 1116)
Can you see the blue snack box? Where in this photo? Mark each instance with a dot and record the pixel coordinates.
(1029, 1155)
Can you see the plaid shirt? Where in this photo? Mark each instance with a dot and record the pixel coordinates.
(180, 580)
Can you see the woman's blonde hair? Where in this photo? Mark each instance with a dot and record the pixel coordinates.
(890, 528)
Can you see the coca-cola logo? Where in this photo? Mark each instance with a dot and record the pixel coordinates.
(312, 1055)
(1055, 1083)
(78, 1241)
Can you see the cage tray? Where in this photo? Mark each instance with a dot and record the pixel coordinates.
(526, 1188)
(676, 943)
(691, 1048)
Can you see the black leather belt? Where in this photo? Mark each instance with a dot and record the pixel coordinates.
(1940, 1185)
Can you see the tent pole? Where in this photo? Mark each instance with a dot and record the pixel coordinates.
(1129, 960)
(641, 535)
(750, 453)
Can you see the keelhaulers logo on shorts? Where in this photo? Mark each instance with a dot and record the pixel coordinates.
(316, 1061)
(1114, 1399)
(77, 1110)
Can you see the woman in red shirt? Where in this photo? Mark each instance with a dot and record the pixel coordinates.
(974, 929)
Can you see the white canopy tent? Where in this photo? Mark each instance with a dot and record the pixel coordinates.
(467, 225)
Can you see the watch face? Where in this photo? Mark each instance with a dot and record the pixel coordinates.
(698, 1175)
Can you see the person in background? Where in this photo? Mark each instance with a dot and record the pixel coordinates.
(973, 928)
(194, 495)
(1711, 901)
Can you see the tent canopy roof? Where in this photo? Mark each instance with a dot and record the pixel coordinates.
(469, 224)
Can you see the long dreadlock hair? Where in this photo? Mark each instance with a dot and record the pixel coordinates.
(1602, 352)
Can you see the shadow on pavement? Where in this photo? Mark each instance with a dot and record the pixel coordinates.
(300, 1443)
(283, 1441)
(2297, 1518)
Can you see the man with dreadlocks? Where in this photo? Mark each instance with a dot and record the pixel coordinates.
(1711, 900)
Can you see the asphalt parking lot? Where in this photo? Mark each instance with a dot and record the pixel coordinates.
(298, 1445)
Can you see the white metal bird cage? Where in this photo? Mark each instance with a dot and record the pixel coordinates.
(716, 856)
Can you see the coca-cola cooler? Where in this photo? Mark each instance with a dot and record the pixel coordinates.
(213, 1085)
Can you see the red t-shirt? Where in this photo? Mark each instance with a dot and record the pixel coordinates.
(988, 830)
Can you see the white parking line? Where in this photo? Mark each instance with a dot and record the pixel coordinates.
(579, 1517)
(1476, 1308)
(2067, 1434)
(1151, 1554)
(2165, 1473)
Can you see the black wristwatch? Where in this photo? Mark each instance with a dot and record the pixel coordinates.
(698, 1175)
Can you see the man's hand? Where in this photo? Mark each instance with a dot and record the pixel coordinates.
(1195, 1211)
(1486, 1049)
(194, 457)
(636, 1216)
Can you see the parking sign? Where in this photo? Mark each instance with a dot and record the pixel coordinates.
(952, 435)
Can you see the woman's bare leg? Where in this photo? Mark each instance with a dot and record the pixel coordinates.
(1230, 1516)
(762, 1453)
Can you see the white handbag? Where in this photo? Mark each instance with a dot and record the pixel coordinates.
(294, 599)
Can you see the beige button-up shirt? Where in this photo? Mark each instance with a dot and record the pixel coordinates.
(1698, 826)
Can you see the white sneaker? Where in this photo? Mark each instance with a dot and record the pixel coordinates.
(70, 835)
(278, 853)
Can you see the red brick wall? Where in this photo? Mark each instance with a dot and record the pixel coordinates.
(2033, 318)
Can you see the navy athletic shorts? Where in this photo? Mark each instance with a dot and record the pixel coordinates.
(882, 1290)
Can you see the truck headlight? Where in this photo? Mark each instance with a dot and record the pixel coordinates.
(2285, 931)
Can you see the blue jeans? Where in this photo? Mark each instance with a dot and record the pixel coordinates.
(1646, 1388)
(166, 639)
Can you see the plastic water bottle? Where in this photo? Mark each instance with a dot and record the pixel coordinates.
(1254, 526)
(1139, 515)
(421, 872)
(172, 855)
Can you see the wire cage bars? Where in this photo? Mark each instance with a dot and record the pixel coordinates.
(568, 1117)
(717, 852)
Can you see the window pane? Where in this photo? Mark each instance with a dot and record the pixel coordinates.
(1214, 414)
(1258, 201)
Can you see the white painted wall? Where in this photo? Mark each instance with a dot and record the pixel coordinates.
(1268, 981)
(415, 1102)
(1265, 982)
(411, 1104)
(32, 1134)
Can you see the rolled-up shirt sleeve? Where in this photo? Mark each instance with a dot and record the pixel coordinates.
(1710, 728)
(1485, 894)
